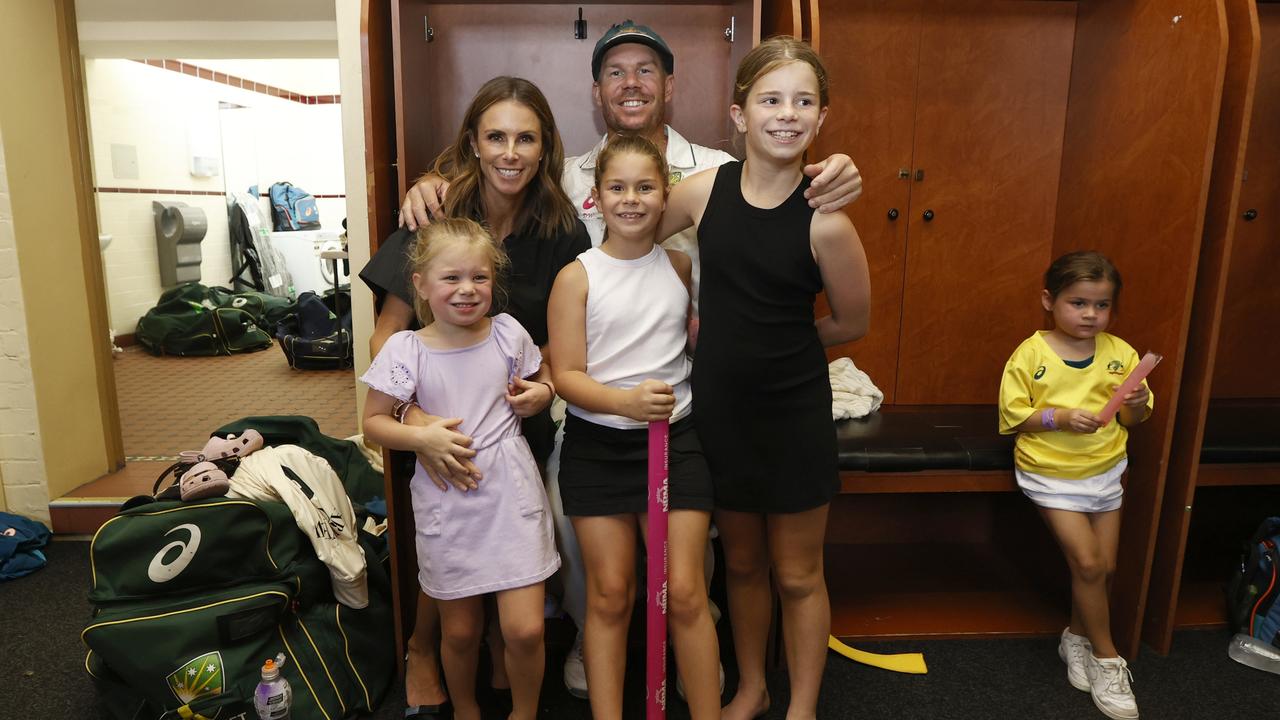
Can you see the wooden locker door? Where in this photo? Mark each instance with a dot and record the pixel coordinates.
(377, 71)
(871, 51)
(990, 113)
(1248, 346)
(415, 76)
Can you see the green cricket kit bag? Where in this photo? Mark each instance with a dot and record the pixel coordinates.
(191, 319)
(190, 599)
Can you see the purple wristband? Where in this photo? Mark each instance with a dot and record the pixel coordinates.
(1046, 419)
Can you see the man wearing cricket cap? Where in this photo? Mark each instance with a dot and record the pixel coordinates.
(632, 70)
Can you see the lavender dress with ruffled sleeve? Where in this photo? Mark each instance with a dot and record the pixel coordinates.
(499, 536)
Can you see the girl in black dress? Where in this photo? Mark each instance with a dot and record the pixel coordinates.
(761, 392)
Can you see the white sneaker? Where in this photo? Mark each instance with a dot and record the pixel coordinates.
(1073, 649)
(575, 673)
(1110, 684)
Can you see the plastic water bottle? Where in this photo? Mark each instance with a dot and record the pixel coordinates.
(1248, 650)
(273, 696)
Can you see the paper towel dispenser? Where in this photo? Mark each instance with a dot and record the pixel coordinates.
(179, 230)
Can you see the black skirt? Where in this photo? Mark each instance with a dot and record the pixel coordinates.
(605, 471)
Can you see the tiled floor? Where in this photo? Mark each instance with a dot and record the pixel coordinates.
(171, 404)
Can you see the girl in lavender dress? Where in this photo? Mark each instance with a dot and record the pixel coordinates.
(496, 538)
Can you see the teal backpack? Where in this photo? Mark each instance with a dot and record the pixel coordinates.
(1253, 595)
(190, 599)
(292, 208)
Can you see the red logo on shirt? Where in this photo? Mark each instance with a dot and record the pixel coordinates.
(588, 203)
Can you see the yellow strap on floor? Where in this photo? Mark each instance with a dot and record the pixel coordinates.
(912, 663)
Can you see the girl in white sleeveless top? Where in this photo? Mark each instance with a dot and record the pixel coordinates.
(618, 320)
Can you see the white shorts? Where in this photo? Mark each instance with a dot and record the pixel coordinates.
(1100, 493)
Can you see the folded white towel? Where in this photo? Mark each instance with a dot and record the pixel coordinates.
(853, 395)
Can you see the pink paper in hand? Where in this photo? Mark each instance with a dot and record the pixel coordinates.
(1140, 373)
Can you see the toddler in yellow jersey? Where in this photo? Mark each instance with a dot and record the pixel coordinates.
(1070, 463)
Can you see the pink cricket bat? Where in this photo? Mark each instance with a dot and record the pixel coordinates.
(1140, 373)
(656, 626)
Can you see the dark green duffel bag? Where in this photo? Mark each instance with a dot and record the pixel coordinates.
(188, 320)
(191, 598)
(266, 309)
(362, 482)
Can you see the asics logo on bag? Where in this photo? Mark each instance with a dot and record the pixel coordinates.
(161, 571)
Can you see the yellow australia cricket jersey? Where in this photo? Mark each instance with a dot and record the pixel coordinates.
(1035, 378)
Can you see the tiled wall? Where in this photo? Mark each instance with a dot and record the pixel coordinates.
(158, 114)
(21, 458)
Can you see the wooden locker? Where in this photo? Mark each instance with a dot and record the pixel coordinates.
(1247, 352)
(1212, 504)
(872, 119)
(954, 113)
(1049, 127)
(990, 110)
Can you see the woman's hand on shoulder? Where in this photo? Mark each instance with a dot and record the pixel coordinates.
(423, 201)
(650, 401)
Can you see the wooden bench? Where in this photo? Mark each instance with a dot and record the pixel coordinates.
(1241, 443)
(930, 537)
(925, 448)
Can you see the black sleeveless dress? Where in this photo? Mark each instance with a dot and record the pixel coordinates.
(761, 391)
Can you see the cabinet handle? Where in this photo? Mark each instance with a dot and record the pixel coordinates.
(893, 213)
(1250, 214)
(928, 215)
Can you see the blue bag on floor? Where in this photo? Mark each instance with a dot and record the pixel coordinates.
(1253, 596)
(20, 543)
(315, 336)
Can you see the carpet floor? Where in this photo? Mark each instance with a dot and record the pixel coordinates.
(42, 673)
(170, 404)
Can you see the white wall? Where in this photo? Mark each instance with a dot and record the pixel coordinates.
(23, 485)
(161, 114)
(222, 29)
(352, 74)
